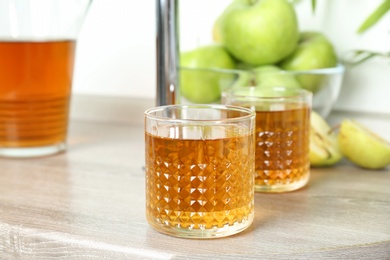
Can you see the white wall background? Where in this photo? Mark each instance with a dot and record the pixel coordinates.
(116, 48)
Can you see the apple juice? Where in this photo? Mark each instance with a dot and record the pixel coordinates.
(282, 149)
(35, 85)
(198, 184)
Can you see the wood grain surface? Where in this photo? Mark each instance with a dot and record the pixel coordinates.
(89, 203)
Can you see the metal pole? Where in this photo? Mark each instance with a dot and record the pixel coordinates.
(167, 47)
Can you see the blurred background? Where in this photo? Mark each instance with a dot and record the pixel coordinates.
(116, 53)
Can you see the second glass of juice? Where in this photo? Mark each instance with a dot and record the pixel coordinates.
(282, 134)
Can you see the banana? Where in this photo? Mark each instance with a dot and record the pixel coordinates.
(324, 149)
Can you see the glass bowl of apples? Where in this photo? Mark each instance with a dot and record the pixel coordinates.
(253, 43)
(206, 85)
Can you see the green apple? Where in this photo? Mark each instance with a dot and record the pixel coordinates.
(200, 79)
(314, 51)
(243, 79)
(324, 148)
(259, 32)
(273, 76)
(244, 66)
(363, 147)
(216, 33)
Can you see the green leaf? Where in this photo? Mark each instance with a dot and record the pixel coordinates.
(313, 5)
(357, 57)
(375, 16)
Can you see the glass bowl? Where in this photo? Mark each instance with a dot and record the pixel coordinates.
(206, 85)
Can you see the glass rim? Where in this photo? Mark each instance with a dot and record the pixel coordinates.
(298, 93)
(249, 113)
(338, 69)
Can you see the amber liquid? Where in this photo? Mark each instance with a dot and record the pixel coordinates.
(35, 86)
(282, 149)
(199, 184)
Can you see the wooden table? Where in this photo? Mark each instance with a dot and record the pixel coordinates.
(89, 203)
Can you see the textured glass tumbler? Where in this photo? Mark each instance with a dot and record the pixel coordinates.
(199, 169)
(37, 51)
(282, 134)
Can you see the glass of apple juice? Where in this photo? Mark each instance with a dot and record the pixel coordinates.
(282, 134)
(199, 169)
